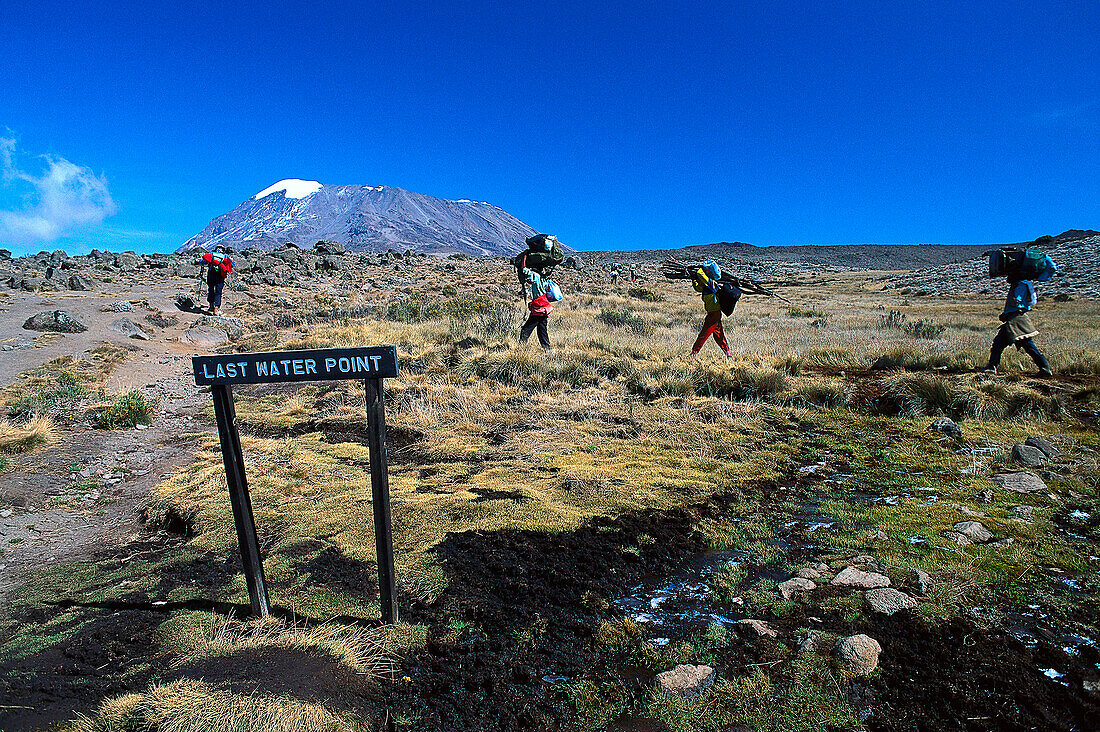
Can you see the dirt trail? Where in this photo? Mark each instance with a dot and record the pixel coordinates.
(84, 491)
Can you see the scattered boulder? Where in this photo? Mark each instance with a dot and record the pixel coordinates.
(974, 530)
(858, 654)
(757, 627)
(118, 306)
(686, 681)
(1022, 482)
(204, 336)
(1028, 456)
(127, 262)
(809, 573)
(1041, 444)
(852, 577)
(947, 426)
(329, 247)
(887, 600)
(794, 585)
(76, 282)
(55, 321)
(232, 327)
(128, 328)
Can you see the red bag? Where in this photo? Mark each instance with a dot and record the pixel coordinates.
(541, 305)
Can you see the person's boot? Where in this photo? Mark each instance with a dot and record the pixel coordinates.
(1044, 366)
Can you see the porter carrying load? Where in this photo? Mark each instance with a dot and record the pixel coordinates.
(1020, 264)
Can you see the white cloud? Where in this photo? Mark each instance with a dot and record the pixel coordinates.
(48, 205)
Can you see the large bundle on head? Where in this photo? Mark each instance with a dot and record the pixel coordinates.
(542, 254)
(1021, 264)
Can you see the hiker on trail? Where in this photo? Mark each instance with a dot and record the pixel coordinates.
(218, 267)
(614, 275)
(632, 273)
(543, 293)
(705, 280)
(1018, 329)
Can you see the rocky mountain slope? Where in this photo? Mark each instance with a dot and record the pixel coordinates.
(365, 219)
(1075, 252)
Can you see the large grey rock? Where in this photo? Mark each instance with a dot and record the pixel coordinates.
(204, 336)
(1028, 456)
(118, 306)
(55, 321)
(686, 681)
(127, 262)
(795, 585)
(852, 577)
(887, 600)
(76, 282)
(858, 654)
(974, 530)
(947, 426)
(1044, 446)
(128, 328)
(1021, 482)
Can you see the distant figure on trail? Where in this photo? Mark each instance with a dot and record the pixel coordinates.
(614, 275)
(633, 275)
(705, 280)
(1019, 268)
(218, 267)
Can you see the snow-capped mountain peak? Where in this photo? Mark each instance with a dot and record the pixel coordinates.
(292, 188)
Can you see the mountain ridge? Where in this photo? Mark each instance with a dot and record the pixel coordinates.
(363, 219)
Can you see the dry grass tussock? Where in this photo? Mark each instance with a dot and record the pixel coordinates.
(36, 431)
(194, 706)
(360, 649)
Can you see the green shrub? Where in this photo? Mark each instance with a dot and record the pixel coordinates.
(450, 290)
(125, 411)
(625, 318)
(57, 395)
(797, 312)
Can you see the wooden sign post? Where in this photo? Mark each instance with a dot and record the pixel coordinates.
(371, 364)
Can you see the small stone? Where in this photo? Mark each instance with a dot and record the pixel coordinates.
(758, 627)
(985, 496)
(1041, 444)
(1027, 513)
(967, 511)
(877, 535)
(887, 600)
(858, 654)
(973, 530)
(1093, 687)
(808, 573)
(813, 642)
(946, 426)
(920, 581)
(852, 577)
(118, 306)
(162, 319)
(686, 680)
(128, 328)
(1028, 456)
(5, 513)
(1002, 543)
(956, 537)
(1021, 482)
(795, 584)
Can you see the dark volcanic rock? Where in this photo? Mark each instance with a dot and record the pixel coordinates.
(55, 321)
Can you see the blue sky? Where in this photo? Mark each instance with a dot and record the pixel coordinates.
(613, 125)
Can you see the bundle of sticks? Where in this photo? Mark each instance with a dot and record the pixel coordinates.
(675, 270)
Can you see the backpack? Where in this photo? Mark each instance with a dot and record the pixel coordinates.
(712, 269)
(728, 295)
(553, 292)
(544, 252)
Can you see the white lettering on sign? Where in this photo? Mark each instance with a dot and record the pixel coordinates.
(345, 365)
(299, 366)
(311, 366)
(330, 364)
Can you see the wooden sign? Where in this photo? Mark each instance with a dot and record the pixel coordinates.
(371, 364)
(326, 364)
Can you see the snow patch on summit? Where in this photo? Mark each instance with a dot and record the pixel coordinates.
(292, 187)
